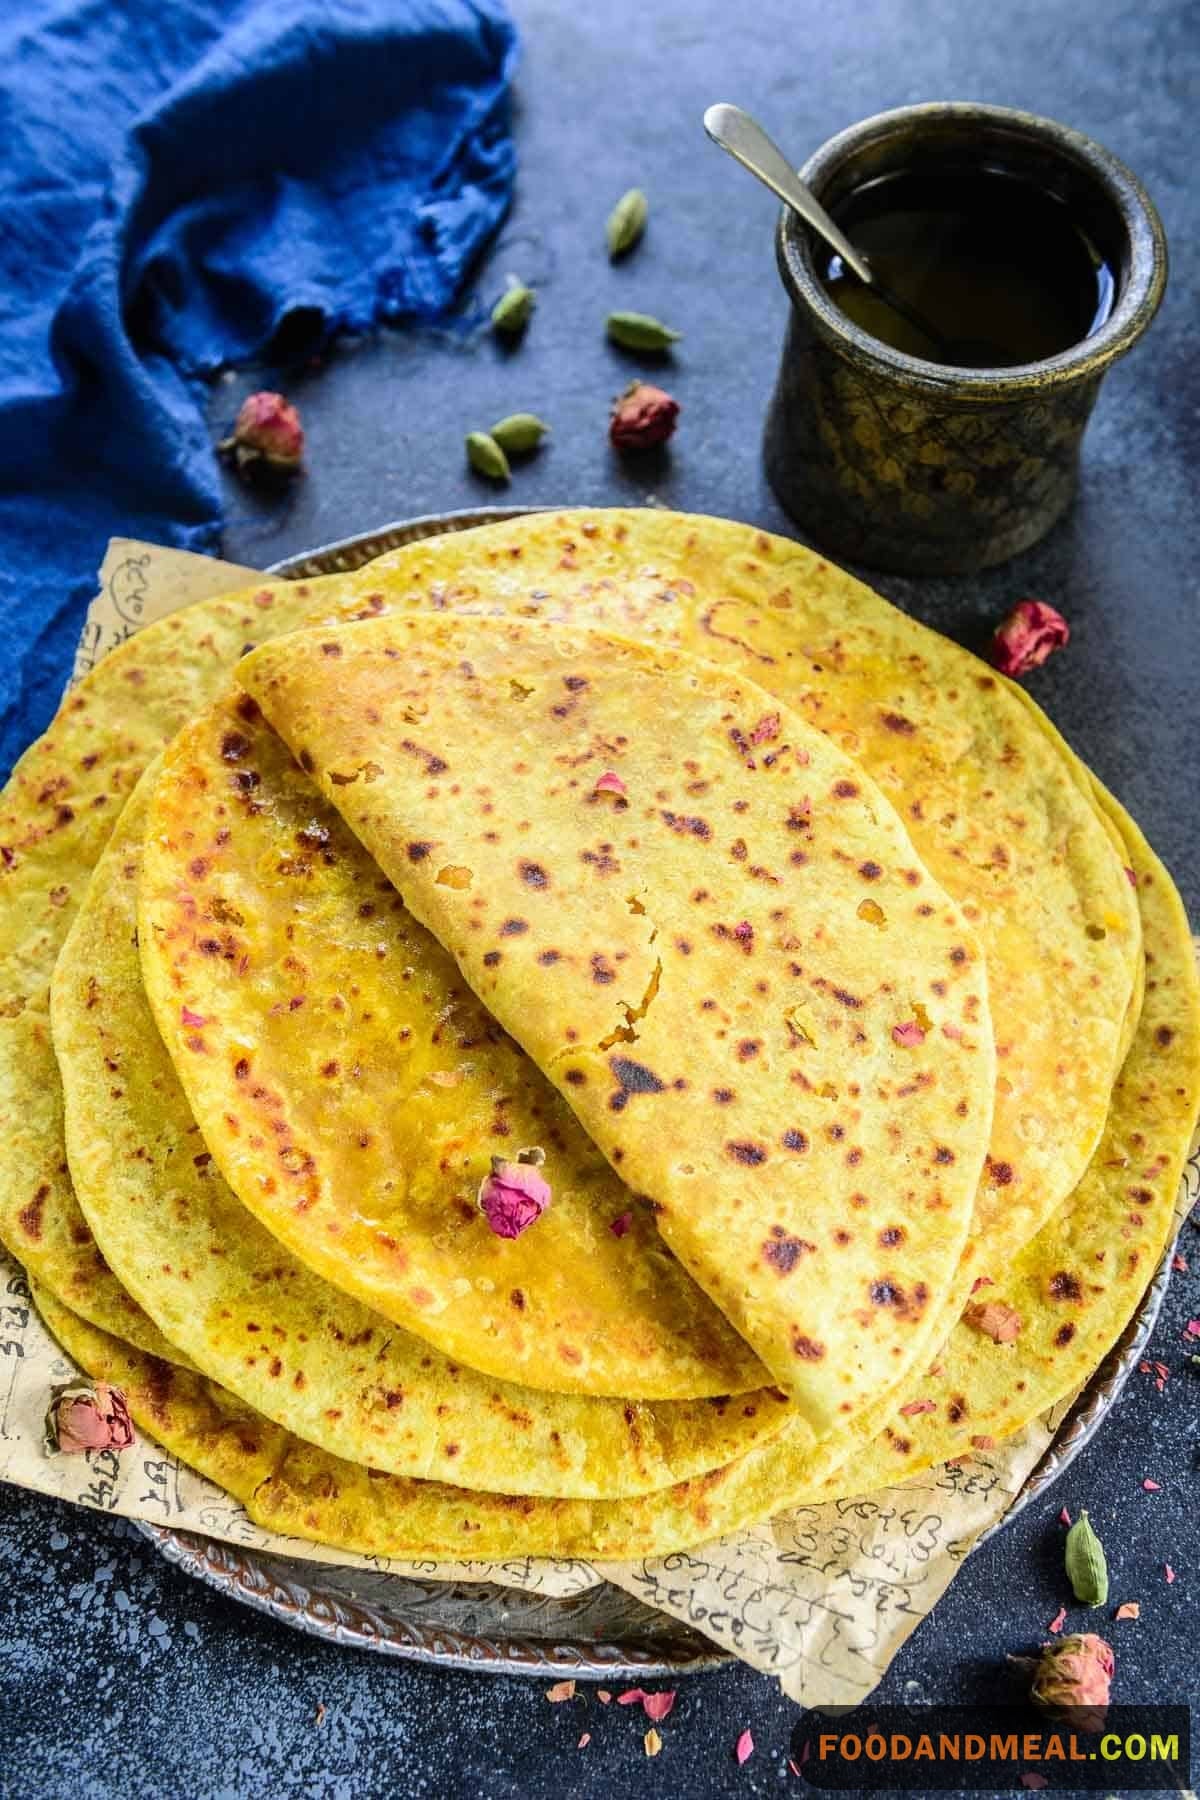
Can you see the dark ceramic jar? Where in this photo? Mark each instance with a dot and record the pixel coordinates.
(918, 466)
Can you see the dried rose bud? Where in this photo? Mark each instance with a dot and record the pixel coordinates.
(1032, 632)
(88, 1416)
(514, 1194)
(267, 431)
(642, 417)
(1072, 1679)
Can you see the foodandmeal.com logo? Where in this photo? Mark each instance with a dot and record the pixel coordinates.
(926, 1749)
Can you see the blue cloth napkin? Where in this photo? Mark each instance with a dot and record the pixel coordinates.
(180, 180)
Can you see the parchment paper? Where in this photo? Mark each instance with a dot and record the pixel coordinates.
(822, 1598)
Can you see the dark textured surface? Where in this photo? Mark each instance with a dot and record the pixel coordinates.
(118, 1677)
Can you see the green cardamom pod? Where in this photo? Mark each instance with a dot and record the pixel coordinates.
(510, 314)
(638, 331)
(1087, 1570)
(486, 457)
(626, 222)
(519, 432)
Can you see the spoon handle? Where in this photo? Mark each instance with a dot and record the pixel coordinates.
(744, 139)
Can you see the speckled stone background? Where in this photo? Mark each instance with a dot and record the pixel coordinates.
(118, 1676)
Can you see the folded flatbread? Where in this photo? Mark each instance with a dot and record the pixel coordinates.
(354, 1091)
(261, 1323)
(731, 963)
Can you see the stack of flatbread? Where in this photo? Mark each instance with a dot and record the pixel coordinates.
(576, 1038)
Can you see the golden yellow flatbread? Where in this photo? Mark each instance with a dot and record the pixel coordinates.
(973, 780)
(353, 1092)
(258, 1321)
(1045, 1321)
(292, 1487)
(761, 1007)
(56, 814)
(994, 809)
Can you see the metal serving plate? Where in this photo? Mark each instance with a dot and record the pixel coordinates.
(603, 1632)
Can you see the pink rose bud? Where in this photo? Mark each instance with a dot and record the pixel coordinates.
(88, 1416)
(1032, 632)
(514, 1194)
(267, 431)
(642, 417)
(1073, 1678)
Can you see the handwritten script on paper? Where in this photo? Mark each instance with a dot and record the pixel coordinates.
(822, 1598)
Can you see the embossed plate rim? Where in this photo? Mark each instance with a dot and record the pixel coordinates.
(308, 1597)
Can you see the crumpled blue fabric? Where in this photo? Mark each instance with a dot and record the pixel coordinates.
(182, 181)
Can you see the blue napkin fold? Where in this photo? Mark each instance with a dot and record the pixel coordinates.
(182, 181)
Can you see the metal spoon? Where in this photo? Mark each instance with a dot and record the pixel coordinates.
(746, 141)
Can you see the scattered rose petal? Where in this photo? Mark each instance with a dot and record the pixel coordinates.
(188, 1017)
(652, 1742)
(1130, 877)
(744, 1749)
(1192, 1328)
(996, 1320)
(1032, 632)
(1169, 1573)
(319, 1715)
(917, 1406)
(766, 729)
(621, 1224)
(981, 1281)
(631, 1697)
(584, 1741)
(1151, 1487)
(1058, 1621)
(562, 1690)
(603, 1696)
(795, 1768)
(514, 1194)
(85, 1416)
(657, 1706)
(909, 1034)
(1128, 1609)
(1179, 1264)
(1030, 1780)
(610, 783)
(1064, 1517)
